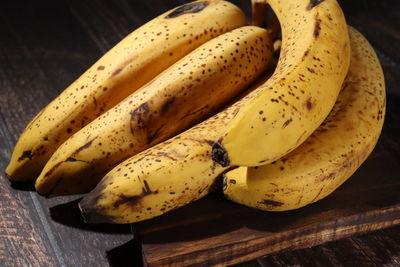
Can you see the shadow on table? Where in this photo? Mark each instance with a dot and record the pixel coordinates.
(69, 214)
(23, 186)
(126, 255)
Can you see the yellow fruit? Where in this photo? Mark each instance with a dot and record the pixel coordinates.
(161, 178)
(129, 65)
(283, 112)
(331, 154)
(181, 96)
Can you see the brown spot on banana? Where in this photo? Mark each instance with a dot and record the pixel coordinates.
(71, 158)
(305, 54)
(201, 190)
(167, 104)
(94, 102)
(146, 188)
(309, 104)
(123, 66)
(26, 154)
(134, 200)
(87, 145)
(317, 26)
(311, 70)
(273, 203)
(138, 114)
(187, 9)
(286, 123)
(116, 72)
(164, 154)
(53, 169)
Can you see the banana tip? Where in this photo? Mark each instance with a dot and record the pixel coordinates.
(91, 214)
(17, 175)
(7, 175)
(44, 192)
(88, 215)
(84, 214)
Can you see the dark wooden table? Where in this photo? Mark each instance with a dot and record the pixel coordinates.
(45, 45)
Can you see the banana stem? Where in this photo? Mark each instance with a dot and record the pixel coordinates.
(273, 26)
(263, 16)
(258, 11)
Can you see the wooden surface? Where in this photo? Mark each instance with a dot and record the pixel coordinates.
(45, 45)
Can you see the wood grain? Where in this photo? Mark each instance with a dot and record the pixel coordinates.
(23, 235)
(378, 248)
(37, 62)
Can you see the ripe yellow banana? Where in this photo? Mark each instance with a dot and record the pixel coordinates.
(161, 178)
(283, 112)
(129, 65)
(331, 154)
(187, 92)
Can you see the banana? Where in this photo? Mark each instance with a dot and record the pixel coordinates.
(187, 92)
(331, 154)
(161, 178)
(284, 111)
(258, 12)
(129, 65)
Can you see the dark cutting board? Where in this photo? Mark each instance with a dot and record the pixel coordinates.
(215, 231)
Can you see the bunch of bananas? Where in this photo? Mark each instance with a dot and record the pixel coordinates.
(195, 95)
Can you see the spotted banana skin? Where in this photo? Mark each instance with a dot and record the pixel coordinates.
(133, 62)
(332, 153)
(186, 93)
(163, 177)
(283, 112)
